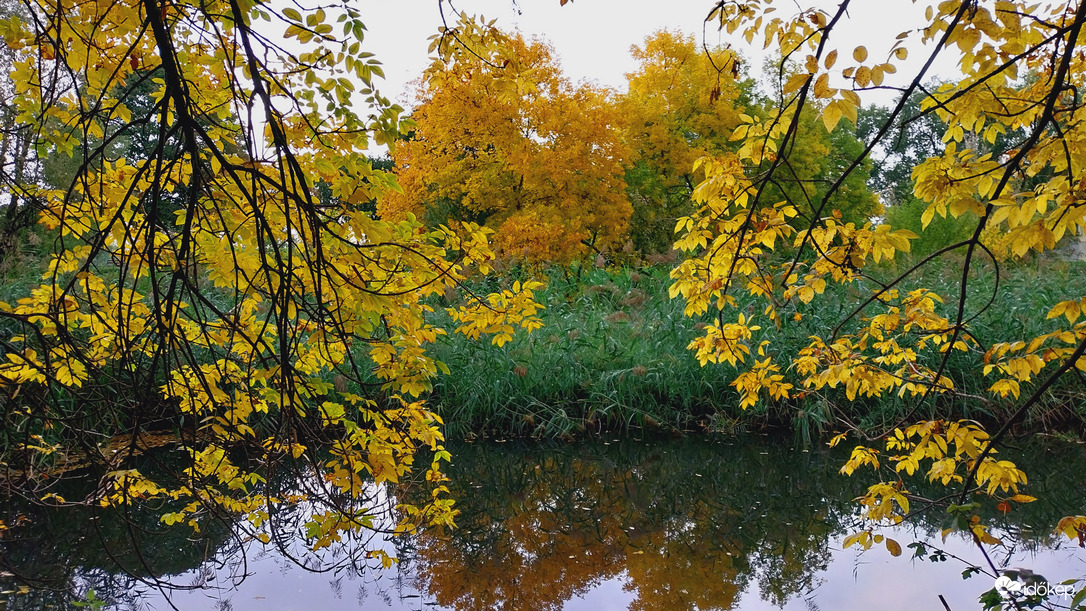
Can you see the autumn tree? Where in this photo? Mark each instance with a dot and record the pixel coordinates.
(199, 284)
(1021, 66)
(685, 101)
(503, 139)
(914, 136)
(15, 154)
(815, 160)
(682, 103)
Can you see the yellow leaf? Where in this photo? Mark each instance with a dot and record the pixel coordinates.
(860, 54)
(926, 217)
(831, 59)
(860, 537)
(1072, 311)
(848, 109)
(863, 76)
(795, 82)
(876, 75)
(830, 116)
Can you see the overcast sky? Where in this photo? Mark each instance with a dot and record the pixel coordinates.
(593, 37)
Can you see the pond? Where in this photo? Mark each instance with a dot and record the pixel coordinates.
(740, 523)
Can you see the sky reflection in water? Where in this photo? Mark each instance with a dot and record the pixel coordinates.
(748, 524)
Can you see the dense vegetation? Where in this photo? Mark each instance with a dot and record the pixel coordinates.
(197, 241)
(612, 355)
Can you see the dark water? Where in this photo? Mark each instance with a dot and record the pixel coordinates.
(741, 524)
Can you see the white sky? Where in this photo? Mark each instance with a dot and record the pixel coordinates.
(593, 37)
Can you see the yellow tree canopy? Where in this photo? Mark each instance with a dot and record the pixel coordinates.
(1021, 68)
(682, 103)
(685, 101)
(202, 285)
(503, 139)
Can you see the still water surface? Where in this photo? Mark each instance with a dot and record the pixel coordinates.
(744, 524)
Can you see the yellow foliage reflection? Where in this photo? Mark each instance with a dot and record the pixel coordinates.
(679, 529)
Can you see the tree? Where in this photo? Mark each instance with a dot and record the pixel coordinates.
(201, 285)
(685, 102)
(501, 138)
(898, 338)
(915, 136)
(814, 160)
(15, 150)
(682, 103)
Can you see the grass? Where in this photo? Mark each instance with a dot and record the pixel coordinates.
(612, 356)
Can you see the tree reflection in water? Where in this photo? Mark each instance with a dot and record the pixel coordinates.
(128, 554)
(681, 524)
(686, 525)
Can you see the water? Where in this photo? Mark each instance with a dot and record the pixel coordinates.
(743, 524)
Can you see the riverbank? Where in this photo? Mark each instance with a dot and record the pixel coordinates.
(612, 356)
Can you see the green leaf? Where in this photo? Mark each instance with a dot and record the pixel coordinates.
(1076, 601)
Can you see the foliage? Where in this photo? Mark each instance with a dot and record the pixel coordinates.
(202, 285)
(914, 136)
(746, 238)
(686, 102)
(938, 234)
(807, 179)
(611, 356)
(682, 103)
(16, 139)
(501, 138)
(216, 268)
